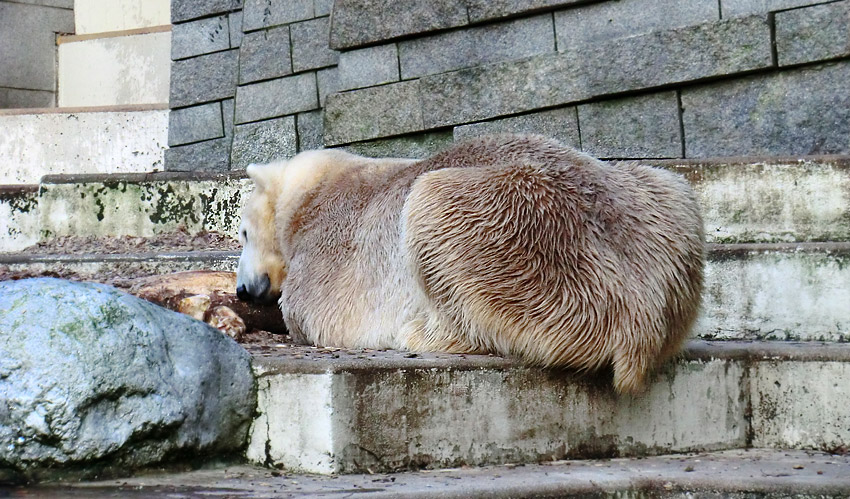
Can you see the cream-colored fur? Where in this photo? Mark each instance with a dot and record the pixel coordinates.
(514, 245)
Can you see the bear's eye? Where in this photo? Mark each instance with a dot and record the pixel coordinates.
(244, 234)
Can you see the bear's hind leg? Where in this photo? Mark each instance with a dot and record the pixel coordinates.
(427, 333)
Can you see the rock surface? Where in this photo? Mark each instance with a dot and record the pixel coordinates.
(94, 381)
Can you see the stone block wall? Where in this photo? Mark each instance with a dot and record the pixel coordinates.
(253, 80)
(28, 30)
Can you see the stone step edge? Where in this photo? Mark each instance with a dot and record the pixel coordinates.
(715, 251)
(123, 108)
(163, 28)
(28, 258)
(762, 472)
(309, 360)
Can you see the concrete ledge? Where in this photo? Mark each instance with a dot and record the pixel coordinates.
(81, 141)
(334, 411)
(771, 199)
(141, 205)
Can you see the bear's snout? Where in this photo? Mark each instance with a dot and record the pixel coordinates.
(256, 292)
(242, 293)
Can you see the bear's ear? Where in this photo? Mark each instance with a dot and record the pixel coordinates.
(259, 174)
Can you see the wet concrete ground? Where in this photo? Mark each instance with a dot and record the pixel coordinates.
(739, 473)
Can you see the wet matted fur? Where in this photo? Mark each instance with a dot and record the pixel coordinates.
(514, 245)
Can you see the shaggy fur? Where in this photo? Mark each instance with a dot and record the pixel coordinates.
(515, 245)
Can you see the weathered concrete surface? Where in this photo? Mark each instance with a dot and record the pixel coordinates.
(115, 71)
(450, 410)
(93, 380)
(737, 474)
(18, 217)
(141, 205)
(325, 410)
(771, 200)
(801, 406)
(777, 292)
(99, 16)
(33, 145)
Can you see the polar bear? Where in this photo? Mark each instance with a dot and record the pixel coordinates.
(513, 245)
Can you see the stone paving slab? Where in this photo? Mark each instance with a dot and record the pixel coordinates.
(735, 473)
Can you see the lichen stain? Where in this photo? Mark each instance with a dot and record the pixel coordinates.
(173, 208)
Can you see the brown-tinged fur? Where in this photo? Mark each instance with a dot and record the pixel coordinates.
(515, 245)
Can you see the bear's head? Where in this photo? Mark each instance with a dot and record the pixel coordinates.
(261, 266)
(280, 188)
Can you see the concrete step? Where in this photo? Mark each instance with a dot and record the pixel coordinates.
(743, 200)
(128, 67)
(19, 223)
(332, 411)
(38, 142)
(761, 473)
(141, 204)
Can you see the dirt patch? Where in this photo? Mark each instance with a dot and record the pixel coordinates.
(178, 241)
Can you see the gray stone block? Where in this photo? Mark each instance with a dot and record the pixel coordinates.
(205, 78)
(195, 124)
(328, 79)
(813, 33)
(273, 98)
(591, 24)
(480, 10)
(310, 45)
(200, 37)
(309, 126)
(361, 22)
(207, 156)
(635, 127)
(560, 124)
(28, 41)
(738, 8)
(798, 112)
(367, 67)
(476, 46)
(235, 21)
(264, 13)
(322, 7)
(99, 380)
(263, 142)
(417, 146)
(186, 10)
(16, 98)
(640, 62)
(373, 113)
(265, 54)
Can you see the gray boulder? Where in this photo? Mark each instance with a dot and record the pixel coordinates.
(93, 381)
